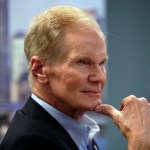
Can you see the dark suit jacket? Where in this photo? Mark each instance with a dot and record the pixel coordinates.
(32, 128)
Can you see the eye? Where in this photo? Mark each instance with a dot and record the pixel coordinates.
(102, 63)
(82, 62)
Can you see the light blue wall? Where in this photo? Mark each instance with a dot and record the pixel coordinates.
(128, 34)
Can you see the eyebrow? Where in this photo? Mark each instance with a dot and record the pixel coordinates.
(89, 58)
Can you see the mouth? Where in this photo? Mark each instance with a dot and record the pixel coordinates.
(92, 93)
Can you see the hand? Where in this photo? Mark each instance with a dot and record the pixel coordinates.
(133, 119)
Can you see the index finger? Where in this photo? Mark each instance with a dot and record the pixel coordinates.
(107, 110)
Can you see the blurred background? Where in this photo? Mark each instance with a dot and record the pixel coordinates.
(126, 25)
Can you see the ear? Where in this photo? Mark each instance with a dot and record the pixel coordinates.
(37, 69)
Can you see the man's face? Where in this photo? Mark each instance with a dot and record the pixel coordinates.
(77, 81)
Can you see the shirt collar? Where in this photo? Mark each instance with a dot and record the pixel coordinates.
(81, 130)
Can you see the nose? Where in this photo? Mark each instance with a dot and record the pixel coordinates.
(98, 74)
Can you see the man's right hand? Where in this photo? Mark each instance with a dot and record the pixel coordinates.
(133, 120)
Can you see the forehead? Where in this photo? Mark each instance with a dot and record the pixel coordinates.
(85, 41)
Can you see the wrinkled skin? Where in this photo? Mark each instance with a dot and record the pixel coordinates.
(74, 83)
(133, 119)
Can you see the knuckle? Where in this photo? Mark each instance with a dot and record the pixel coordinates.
(129, 99)
(132, 99)
(143, 100)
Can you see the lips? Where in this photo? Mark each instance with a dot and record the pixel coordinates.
(92, 93)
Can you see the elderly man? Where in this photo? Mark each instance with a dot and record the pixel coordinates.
(66, 51)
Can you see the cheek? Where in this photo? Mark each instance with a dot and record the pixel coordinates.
(104, 75)
(73, 81)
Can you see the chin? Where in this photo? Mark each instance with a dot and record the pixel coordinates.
(90, 107)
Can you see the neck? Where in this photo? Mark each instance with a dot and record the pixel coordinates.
(57, 104)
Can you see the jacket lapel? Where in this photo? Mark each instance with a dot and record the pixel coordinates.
(94, 145)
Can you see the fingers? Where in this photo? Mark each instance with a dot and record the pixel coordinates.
(126, 101)
(128, 104)
(107, 110)
(132, 100)
(143, 100)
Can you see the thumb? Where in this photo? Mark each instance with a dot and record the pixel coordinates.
(107, 110)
